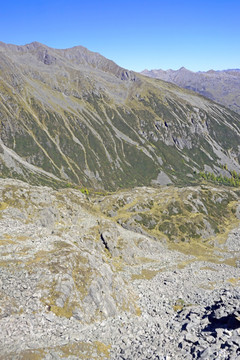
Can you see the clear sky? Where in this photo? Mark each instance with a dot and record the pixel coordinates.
(153, 34)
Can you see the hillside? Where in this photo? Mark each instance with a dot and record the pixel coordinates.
(147, 273)
(220, 86)
(73, 116)
(102, 263)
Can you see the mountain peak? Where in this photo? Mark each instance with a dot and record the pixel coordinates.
(35, 44)
(75, 56)
(212, 84)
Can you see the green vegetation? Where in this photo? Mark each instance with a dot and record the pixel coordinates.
(84, 191)
(179, 305)
(188, 218)
(234, 180)
(103, 133)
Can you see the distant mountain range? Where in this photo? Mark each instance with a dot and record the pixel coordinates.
(73, 116)
(87, 273)
(220, 86)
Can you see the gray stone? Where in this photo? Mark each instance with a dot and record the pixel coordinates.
(191, 338)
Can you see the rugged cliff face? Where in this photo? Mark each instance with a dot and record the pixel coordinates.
(73, 116)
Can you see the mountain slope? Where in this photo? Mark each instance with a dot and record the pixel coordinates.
(220, 86)
(74, 116)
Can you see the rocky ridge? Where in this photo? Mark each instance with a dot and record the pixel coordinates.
(77, 283)
(220, 86)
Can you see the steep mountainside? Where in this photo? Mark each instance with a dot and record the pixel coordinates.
(73, 116)
(220, 86)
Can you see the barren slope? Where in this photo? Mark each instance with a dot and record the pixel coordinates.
(99, 277)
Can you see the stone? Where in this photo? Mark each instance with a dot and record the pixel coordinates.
(191, 338)
(68, 288)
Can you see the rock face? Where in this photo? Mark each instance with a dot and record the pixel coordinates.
(220, 86)
(71, 115)
(51, 233)
(79, 281)
(180, 215)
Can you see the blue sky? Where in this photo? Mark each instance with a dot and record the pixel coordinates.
(199, 35)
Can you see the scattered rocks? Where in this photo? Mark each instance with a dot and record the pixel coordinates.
(74, 284)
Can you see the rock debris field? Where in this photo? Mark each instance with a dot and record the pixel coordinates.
(65, 293)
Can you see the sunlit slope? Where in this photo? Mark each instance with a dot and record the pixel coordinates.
(222, 86)
(72, 115)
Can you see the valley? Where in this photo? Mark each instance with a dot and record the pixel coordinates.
(119, 213)
(70, 116)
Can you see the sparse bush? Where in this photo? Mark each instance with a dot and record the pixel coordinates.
(234, 180)
(84, 191)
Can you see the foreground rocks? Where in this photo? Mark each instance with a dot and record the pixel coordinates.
(183, 319)
(74, 284)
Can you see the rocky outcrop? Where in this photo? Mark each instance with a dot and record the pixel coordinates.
(77, 281)
(178, 215)
(58, 243)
